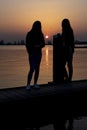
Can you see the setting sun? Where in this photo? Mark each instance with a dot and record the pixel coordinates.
(46, 36)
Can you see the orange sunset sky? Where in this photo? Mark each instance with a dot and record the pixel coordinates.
(17, 17)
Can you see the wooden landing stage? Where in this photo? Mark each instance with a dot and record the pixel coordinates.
(21, 107)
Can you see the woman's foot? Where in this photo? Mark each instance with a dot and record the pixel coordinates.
(28, 87)
(36, 86)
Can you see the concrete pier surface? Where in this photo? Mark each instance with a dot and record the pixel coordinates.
(40, 107)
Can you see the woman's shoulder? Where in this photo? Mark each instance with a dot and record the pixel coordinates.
(29, 34)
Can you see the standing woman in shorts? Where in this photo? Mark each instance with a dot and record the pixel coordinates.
(34, 44)
(68, 39)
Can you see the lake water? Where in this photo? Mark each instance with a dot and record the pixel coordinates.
(14, 65)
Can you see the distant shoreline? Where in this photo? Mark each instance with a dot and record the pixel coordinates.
(79, 46)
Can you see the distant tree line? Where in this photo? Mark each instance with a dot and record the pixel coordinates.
(12, 43)
(80, 42)
(49, 42)
(19, 43)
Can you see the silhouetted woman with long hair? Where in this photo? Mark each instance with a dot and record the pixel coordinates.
(34, 44)
(68, 39)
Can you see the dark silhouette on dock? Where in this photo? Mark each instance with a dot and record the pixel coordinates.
(34, 44)
(68, 39)
(63, 49)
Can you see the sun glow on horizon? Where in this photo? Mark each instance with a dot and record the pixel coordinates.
(18, 19)
(46, 36)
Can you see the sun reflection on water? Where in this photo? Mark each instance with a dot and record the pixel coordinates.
(47, 56)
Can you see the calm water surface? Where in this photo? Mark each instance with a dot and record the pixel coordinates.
(14, 65)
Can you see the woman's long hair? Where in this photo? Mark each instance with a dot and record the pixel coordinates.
(36, 28)
(66, 27)
(67, 31)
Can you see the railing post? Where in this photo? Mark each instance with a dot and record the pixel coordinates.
(58, 59)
